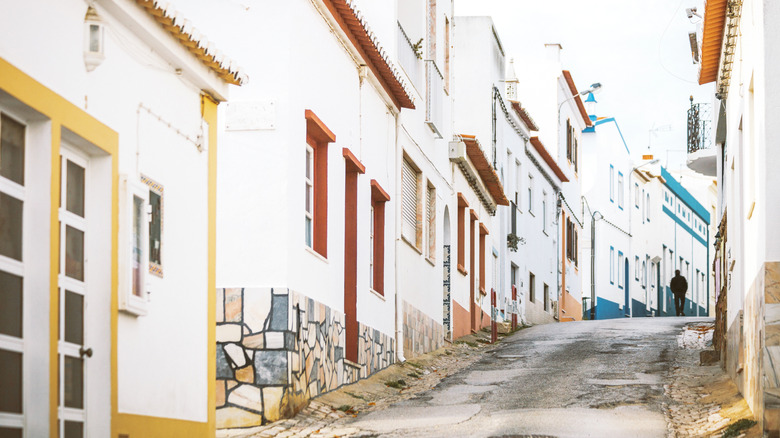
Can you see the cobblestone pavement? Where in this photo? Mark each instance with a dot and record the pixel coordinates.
(324, 416)
(702, 399)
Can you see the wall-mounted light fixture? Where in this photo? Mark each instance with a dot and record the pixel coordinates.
(94, 40)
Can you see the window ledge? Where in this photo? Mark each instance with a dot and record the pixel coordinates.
(431, 261)
(482, 291)
(377, 294)
(414, 247)
(462, 270)
(316, 254)
(531, 213)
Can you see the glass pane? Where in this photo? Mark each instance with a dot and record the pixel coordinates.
(308, 231)
(10, 304)
(74, 253)
(10, 227)
(308, 197)
(138, 216)
(308, 163)
(75, 189)
(155, 228)
(74, 318)
(74, 429)
(11, 149)
(74, 382)
(8, 432)
(94, 38)
(11, 381)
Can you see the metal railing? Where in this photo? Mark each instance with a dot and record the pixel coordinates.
(699, 127)
(409, 58)
(434, 97)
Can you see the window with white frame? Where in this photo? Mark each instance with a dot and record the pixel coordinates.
(636, 267)
(156, 192)
(430, 221)
(637, 198)
(647, 207)
(518, 183)
(309, 202)
(544, 211)
(134, 225)
(410, 204)
(620, 189)
(530, 193)
(611, 183)
(12, 198)
(611, 265)
(620, 274)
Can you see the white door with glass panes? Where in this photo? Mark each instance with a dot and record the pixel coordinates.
(73, 348)
(12, 270)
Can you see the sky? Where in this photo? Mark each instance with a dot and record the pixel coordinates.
(637, 50)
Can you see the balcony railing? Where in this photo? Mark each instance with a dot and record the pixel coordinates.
(409, 58)
(699, 127)
(434, 98)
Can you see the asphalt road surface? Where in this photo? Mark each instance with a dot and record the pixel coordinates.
(575, 379)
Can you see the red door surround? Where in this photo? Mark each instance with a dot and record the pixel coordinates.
(353, 168)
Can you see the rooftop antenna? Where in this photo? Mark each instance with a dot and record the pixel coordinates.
(653, 132)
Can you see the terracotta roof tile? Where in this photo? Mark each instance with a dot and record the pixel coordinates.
(195, 42)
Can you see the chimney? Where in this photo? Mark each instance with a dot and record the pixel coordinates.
(511, 81)
(553, 51)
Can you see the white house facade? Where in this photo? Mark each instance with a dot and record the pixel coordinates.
(107, 206)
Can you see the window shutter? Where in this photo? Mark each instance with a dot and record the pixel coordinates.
(409, 202)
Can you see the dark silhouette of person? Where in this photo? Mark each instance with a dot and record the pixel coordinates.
(679, 286)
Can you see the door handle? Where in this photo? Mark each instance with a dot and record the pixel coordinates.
(85, 352)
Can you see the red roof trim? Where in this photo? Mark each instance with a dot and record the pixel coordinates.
(485, 170)
(524, 116)
(712, 39)
(578, 99)
(367, 45)
(537, 144)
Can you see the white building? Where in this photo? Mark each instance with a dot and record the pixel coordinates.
(642, 225)
(607, 167)
(108, 121)
(309, 202)
(559, 111)
(427, 203)
(739, 45)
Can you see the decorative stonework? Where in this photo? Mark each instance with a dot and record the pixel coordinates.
(422, 333)
(276, 349)
(446, 296)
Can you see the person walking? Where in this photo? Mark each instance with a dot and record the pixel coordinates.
(679, 286)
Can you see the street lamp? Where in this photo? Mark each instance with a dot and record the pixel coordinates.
(630, 211)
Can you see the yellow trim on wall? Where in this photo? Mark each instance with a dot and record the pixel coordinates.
(209, 113)
(63, 114)
(142, 426)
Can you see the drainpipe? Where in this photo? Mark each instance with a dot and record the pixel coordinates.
(560, 272)
(399, 336)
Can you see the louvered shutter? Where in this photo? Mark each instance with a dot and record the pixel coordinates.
(409, 202)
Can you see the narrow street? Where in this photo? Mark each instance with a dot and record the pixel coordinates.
(582, 379)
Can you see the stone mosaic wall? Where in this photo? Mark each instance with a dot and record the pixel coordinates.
(276, 349)
(422, 333)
